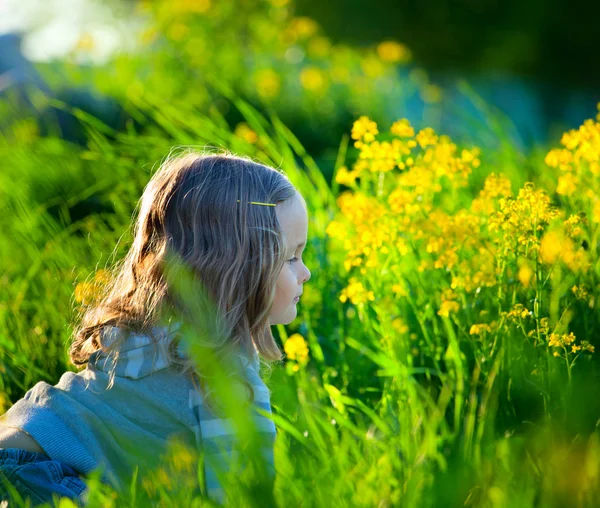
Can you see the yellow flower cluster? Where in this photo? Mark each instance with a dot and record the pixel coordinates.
(566, 341)
(556, 246)
(393, 52)
(364, 130)
(526, 274)
(345, 177)
(437, 156)
(268, 83)
(296, 349)
(302, 27)
(383, 156)
(517, 312)
(424, 160)
(243, 130)
(407, 206)
(573, 225)
(480, 329)
(449, 304)
(399, 325)
(313, 79)
(579, 166)
(579, 160)
(356, 292)
(373, 228)
(494, 188)
(580, 292)
(519, 220)
(402, 129)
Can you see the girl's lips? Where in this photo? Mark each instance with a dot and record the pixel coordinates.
(296, 299)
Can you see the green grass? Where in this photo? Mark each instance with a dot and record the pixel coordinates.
(363, 424)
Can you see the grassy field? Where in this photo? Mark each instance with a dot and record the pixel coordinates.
(443, 353)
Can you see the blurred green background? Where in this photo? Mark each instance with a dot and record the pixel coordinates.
(532, 63)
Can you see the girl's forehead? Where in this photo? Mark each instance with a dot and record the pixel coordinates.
(293, 219)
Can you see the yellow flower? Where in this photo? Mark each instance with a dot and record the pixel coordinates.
(364, 129)
(559, 158)
(312, 79)
(399, 325)
(161, 477)
(345, 177)
(402, 129)
(565, 341)
(303, 27)
(554, 340)
(243, 130)
(181, 457)
(580, 292)
(494, 187)
(567, 184)
(551, 247)
(518, 312)
(480, 329)
(268, 83)
(572, 224)
(393, 52)
(356, 292)
(426, 137)
(556, 246)
(399, 289)
(447, 307)
(336, 229)
(296, 348)
(372, 66)
(525, 274)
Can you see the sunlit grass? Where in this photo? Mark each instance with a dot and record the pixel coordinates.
(444, 349)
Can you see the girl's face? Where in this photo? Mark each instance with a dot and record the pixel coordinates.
(292, 217)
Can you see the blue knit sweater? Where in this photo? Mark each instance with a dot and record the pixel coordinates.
(82, 423)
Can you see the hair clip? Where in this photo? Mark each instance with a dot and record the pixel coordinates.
(258, 203)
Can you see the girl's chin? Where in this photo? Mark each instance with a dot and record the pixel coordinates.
(284, 320)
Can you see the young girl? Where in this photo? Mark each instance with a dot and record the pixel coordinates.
(239, 227)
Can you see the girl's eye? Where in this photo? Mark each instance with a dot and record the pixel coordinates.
(293, 260)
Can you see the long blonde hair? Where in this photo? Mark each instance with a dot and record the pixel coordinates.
(236, 250)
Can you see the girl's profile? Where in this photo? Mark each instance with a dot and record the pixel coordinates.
(239, 228)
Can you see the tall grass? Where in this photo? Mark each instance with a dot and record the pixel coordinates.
(398, 403)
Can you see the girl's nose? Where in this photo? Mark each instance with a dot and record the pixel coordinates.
(307, 276)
